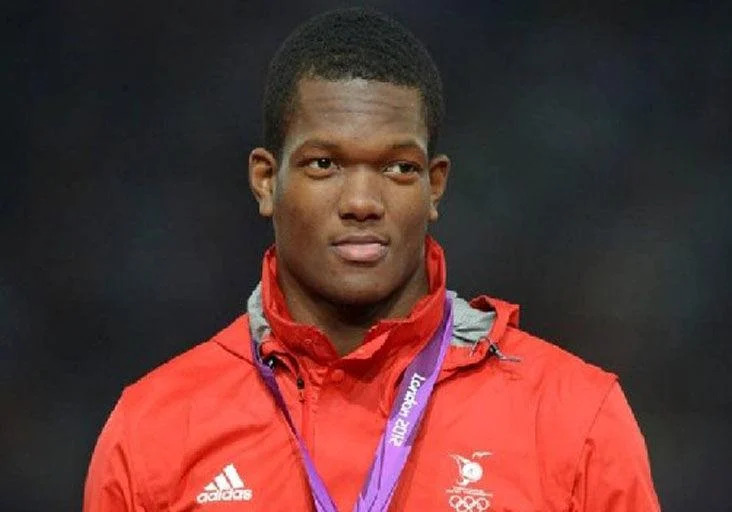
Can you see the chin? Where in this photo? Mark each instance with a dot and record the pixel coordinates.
(358, 290)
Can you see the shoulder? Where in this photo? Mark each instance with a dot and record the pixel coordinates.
(544, 366)
(546, 379)
(554, 369)
(197, 375)
(567, 391)
(163, 407)
(169, 387)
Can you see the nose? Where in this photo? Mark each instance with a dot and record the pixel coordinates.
(360, 197)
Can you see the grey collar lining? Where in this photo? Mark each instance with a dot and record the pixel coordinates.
(470, 325)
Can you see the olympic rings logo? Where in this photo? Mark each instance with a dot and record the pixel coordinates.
(469, 503)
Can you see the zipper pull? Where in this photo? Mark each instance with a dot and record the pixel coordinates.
(301, 387)
(493, 349)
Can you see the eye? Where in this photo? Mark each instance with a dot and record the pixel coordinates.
(321, 164)
(401, 168)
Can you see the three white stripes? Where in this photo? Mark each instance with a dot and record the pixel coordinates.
(226, 486)
(220, 481)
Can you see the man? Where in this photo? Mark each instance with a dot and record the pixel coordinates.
(355, 380)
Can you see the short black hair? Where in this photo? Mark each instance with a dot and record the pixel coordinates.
(344, 44)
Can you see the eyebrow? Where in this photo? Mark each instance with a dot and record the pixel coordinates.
(332, 146)
(408, 144)
(318, 143)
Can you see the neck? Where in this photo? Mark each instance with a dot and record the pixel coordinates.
(346, 324)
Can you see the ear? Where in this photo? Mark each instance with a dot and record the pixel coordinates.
(439, 170)
(262, 179)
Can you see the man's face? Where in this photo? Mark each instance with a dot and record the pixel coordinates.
(354, 191)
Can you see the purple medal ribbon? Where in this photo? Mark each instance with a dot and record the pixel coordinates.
(401, 428)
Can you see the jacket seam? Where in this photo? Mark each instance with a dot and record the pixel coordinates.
(575, 473)
(144, 492)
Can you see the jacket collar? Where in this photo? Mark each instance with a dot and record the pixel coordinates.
(386, 336)
(483, 321)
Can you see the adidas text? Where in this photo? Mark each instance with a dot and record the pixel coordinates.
(231, 495)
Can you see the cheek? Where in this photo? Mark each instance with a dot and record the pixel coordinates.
(299, 207)
(411, 211)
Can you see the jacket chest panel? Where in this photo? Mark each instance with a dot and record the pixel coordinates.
(344, 424)
(453, 476)
(241, 457)
(468, 460)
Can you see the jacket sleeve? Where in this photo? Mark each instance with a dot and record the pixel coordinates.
(613, 474)
(111, 479)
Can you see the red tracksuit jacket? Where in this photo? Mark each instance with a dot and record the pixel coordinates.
(202, 433)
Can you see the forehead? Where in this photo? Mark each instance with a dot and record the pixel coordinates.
(366, 111)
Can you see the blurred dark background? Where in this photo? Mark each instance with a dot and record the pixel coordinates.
(591, 185)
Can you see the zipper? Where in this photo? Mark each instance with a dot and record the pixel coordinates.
(301, 387)
(305, 415)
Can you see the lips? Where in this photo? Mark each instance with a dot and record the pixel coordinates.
(361, 248)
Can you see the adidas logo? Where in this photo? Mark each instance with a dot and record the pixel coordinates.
(226, 486)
